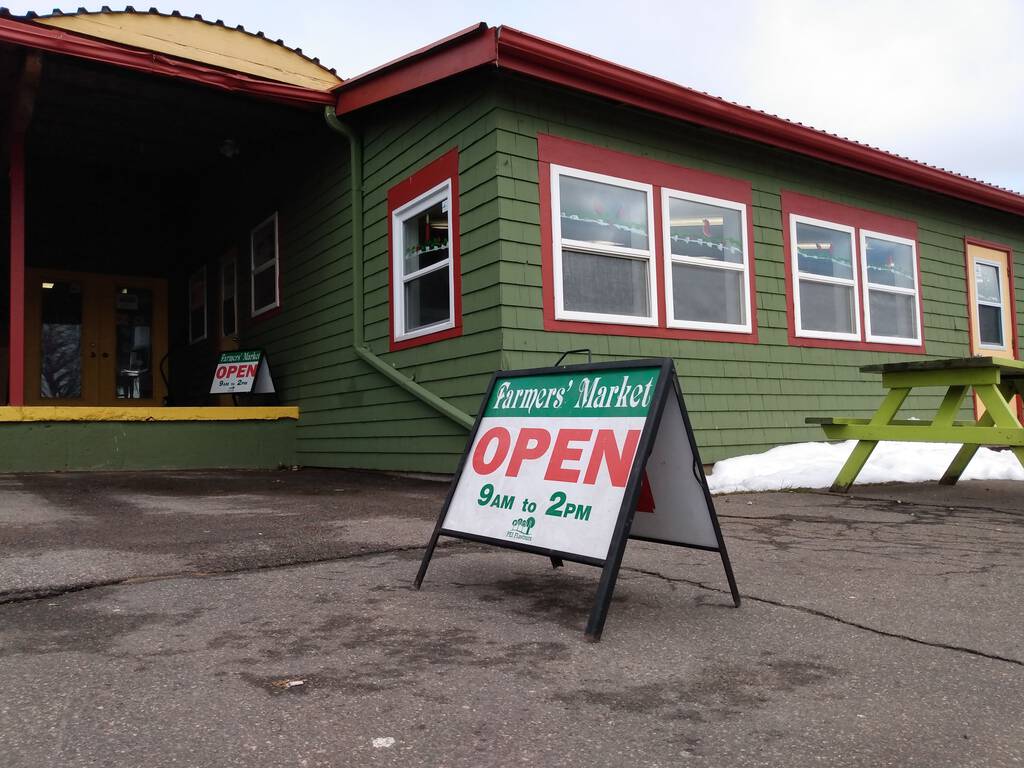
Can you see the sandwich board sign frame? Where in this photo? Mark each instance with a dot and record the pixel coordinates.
(242, 371)
(571, 462)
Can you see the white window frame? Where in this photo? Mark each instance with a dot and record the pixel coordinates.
(672, 258)
(233, 261)
(801, 332)
(635, 254)
(441, 193)
(276, 264)
(980, 303)
(200, 273)
(869, 286)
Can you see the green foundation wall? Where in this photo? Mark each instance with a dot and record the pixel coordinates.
(59, 446)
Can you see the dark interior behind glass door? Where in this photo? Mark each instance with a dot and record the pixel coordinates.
(61, 340)
(134, 354)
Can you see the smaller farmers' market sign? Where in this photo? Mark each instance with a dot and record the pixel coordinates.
(243, 371)
(561, 458)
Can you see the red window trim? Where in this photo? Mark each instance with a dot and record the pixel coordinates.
(795, 203)
(554, 150)
(444, 168)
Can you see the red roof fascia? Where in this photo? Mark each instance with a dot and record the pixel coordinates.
(61, 41)
(467, 49)
(517, 51)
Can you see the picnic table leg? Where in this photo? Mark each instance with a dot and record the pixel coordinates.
(864, 448)
(998, 402)
(963, 456)
(998, 412)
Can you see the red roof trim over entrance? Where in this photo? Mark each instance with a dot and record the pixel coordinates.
(516, 51)
(61, 41)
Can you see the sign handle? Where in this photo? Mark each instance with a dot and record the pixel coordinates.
(556, 562)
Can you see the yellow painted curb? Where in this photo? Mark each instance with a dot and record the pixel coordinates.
(86, 413)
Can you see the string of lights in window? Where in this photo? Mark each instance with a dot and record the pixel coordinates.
(889, 268)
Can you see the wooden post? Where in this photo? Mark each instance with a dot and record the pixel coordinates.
(16, 345)
(21, 116)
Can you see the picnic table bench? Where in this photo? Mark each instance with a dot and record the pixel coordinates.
(995, 380)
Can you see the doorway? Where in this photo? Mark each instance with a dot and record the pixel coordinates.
(990, 304)
(94, 340)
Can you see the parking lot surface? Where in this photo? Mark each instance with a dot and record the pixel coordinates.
(268, 619)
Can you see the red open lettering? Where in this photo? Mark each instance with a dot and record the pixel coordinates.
(232, 370)
(531, 444)
(563, 452)
(222, 371)
(481, 464)
(606, 449)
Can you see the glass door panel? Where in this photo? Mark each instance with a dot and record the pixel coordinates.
(60, 345)
(133, 355)
(132, 340)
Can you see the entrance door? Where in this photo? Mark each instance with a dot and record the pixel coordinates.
(94, 339)
(990, 303)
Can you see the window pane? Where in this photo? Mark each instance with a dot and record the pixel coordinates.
(61, 340)
(264, 289)
(826, 307)
(602, 213)
(134, 352)
(264, 244)
(228, 317)
(708, 295)
(823, 251)
(890, 263)
(893, 314)
(986, 281)
(705, 231)
(990, 325)
(425, 238)
(426, 300)
(605, 284)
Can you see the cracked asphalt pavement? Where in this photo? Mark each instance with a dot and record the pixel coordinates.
(268, 619)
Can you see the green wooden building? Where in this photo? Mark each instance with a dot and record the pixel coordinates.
(390, 240)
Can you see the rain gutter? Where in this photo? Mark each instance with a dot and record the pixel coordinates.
(422, 394)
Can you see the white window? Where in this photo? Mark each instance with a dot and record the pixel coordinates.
(603, 248)
(229, 296)
(706, 277)
(197, 306)
(988, 288)
(827, 295)
(424, 293)
(890, 278)
(264, 267)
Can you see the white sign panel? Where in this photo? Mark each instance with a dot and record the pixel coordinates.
(243, 371)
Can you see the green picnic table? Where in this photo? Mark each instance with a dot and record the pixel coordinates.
(994, 379)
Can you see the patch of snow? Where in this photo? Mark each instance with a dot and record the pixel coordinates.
(383, 742)
(815, 465)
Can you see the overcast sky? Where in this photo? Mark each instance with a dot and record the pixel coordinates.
(941, 81)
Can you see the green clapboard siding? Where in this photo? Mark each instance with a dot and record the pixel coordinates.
(352, 416)
(742, 397)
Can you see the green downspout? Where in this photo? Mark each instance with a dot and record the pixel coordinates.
(358, 343)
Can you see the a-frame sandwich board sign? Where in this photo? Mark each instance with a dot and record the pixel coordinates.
(559, 459)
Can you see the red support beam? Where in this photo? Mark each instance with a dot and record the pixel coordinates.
(16, 347)
(22, 106)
